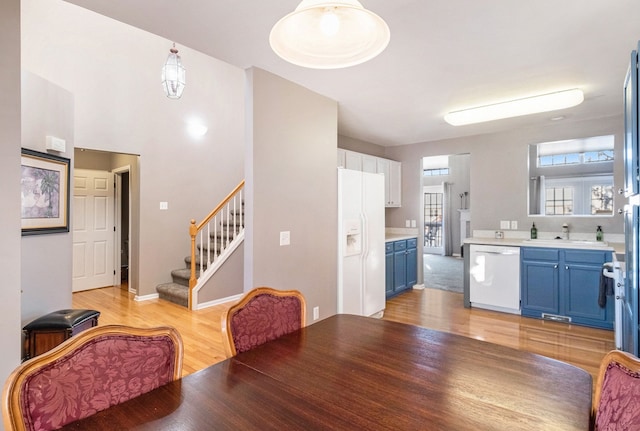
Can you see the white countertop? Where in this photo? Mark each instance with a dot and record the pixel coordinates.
(549, 243)
(398, 237)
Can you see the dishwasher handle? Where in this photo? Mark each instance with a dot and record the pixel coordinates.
(502, 253)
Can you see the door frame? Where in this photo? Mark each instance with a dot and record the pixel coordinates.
(118, 172)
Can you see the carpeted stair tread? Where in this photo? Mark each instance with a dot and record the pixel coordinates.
(173, 292)
(181, 276)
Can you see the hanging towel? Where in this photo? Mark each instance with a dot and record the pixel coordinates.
(606, 285)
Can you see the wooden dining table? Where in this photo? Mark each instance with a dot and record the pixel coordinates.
(358, 373)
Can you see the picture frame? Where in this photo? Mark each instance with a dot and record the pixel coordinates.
(44, 184)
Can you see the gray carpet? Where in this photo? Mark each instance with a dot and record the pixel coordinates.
(443, 272)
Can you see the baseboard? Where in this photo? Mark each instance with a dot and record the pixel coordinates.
(215, 302)
(146, 297)
(418, 287)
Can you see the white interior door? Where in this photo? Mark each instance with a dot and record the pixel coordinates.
(93, 234)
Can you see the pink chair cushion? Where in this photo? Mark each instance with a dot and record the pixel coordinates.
(265, 318)
(106, 371)
(619, 407)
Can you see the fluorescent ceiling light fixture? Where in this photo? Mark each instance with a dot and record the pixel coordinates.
(329, 34)
(516, 108)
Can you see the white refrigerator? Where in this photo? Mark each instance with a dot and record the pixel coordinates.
(361, 248)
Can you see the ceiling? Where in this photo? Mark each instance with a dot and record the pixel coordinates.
(443, 56)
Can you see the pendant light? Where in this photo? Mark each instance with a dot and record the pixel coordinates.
(329, 34)
(173, 75)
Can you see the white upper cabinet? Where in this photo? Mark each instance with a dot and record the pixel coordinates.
(391, 170)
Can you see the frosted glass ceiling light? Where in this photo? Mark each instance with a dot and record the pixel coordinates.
(516, 108)
(173, 75)
(329, 34)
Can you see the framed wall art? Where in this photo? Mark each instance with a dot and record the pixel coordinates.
(44, 183)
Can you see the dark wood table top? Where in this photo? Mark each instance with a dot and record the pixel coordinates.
(349, 372)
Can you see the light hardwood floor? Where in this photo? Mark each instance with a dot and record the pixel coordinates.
(432, 308)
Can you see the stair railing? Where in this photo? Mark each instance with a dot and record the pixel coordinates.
(215, 234)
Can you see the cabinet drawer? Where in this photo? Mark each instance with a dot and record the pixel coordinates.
(536, 253)
(587, 256)
(388, 247)
(412, 243)
(400, 245)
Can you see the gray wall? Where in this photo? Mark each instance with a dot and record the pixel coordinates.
(46, 259)
(499, 175)
(291, 186)
(352, 144)
(10, 322)
(113, 71)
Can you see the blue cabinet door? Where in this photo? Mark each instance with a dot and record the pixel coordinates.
(412, 262)
(540, 288)
(399, 267)
(581, 281)
(388, 269)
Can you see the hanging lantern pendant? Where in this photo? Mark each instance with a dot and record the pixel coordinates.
(173, 75)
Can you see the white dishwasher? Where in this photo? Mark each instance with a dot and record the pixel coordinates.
(495, 278)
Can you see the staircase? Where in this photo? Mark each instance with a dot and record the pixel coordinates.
(212, 241)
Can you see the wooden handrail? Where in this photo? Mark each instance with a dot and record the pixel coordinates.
(219, 207)
(194, 228)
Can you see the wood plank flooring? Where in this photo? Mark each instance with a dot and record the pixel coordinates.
(432, 308)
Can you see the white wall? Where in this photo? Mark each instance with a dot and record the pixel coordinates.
(292, 186)
(113, 72)
(10, 324)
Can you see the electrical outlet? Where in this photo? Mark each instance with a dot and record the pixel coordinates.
(413, 223)
(407, 223)
(504, 224)
(285, 238)
(316, 313)
(514, 224)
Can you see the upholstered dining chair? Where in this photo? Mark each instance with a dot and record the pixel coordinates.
(616, 400)
(89, 372)
(262, 315)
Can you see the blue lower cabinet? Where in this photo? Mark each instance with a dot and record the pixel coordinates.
(388, 269)
(564, 284)
(401, 266)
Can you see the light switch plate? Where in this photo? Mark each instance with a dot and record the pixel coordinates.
(514, 224)
(407, 223)
(285, 238)
(164, 205)
(413, 223)
(504, 224)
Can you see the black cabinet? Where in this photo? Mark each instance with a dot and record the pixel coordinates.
(401, 259)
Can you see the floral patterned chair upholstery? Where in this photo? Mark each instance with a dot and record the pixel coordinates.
(616, 402)
(262, 315)
(96, 369)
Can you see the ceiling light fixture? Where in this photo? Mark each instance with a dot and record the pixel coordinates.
(329, 34)
(173, 75)
(516, 108)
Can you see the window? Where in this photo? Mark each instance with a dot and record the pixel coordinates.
(433, 219)
(435, 172)
(559, 201)
(602, 200)
(596, 149)
(579, 196)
